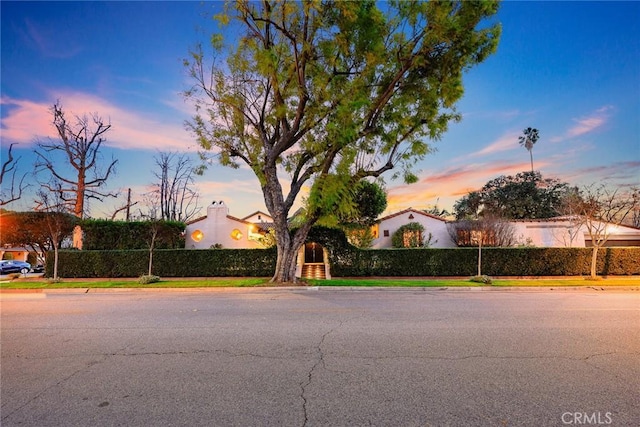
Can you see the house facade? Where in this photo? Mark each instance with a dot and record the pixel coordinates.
(570, 232)
(219, 229)
(436, 234)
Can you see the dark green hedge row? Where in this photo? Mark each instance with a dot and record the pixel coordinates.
(166, 263)
(349, 261)
(495, 262)
(102, 234)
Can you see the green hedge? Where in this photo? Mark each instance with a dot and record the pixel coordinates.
(166, 263)
(495, 262)
(349, 261)
(102, 234)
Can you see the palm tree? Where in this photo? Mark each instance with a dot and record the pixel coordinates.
(528, 139)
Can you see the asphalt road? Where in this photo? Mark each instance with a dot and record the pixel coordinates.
(327, 357)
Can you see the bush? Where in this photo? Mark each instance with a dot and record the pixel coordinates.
(145, 279)
(167, 263)
(482, 279)
(102, 234)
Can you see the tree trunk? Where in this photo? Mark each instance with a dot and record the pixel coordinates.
(594, 259)
(531, 155)
(77, 237)
(55, 262)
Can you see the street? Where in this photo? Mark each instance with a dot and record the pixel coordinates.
(320, 357)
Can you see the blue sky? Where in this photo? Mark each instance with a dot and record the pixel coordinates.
(570, 69)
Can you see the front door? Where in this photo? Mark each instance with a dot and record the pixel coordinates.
(313, 253)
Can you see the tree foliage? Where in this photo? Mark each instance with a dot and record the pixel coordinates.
(411, 235)
(31, 229)
(527, 195)
(528, 139)
(322, 94)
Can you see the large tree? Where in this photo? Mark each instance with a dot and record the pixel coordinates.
(528, 139)
(369, 201)
(73, 161)
(331, 92)
(527, 195)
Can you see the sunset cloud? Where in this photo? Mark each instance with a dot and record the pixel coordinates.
(506, 142)
(26, 121)
(587, 124)
(446, 186)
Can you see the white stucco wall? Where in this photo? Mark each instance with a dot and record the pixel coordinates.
(258, 217)
(558, 234)
(566, 233)
(436, 226)
(217, 228)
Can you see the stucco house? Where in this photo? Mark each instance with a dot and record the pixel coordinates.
(219, 229)
(567, 231)
(434, 227)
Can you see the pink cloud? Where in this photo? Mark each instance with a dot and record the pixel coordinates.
(586, 124)
(27, 121)
(506, 142)
(446, 186)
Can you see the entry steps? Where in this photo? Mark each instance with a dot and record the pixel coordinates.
(314, 271)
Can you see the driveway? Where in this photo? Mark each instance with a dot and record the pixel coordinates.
(320, 357)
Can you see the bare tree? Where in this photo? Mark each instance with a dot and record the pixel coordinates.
(127, 208)
(80, 145)
(58, 224)
(489, 232)
(9, 175)
(602, 210)
(174, 192)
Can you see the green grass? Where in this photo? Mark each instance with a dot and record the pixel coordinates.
(133, 283)
(347, 282)
(635, 281)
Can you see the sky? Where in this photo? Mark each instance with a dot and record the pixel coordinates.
(569, 69)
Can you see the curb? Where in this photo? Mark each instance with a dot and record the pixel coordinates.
(523, 289)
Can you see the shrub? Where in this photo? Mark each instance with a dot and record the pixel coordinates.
(145, 279)
(482, 279)
(408, 236)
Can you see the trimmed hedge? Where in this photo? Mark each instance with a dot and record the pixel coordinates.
(166, 263)
(347, 260)
(495, 262)
(350, 261)
(102, 234)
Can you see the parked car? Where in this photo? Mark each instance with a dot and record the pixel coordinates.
(11, 266)
(38, 269)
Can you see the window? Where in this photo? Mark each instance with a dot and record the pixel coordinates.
(386, 233)
(197, 235)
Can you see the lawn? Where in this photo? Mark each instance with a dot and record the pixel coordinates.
(28, 283)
